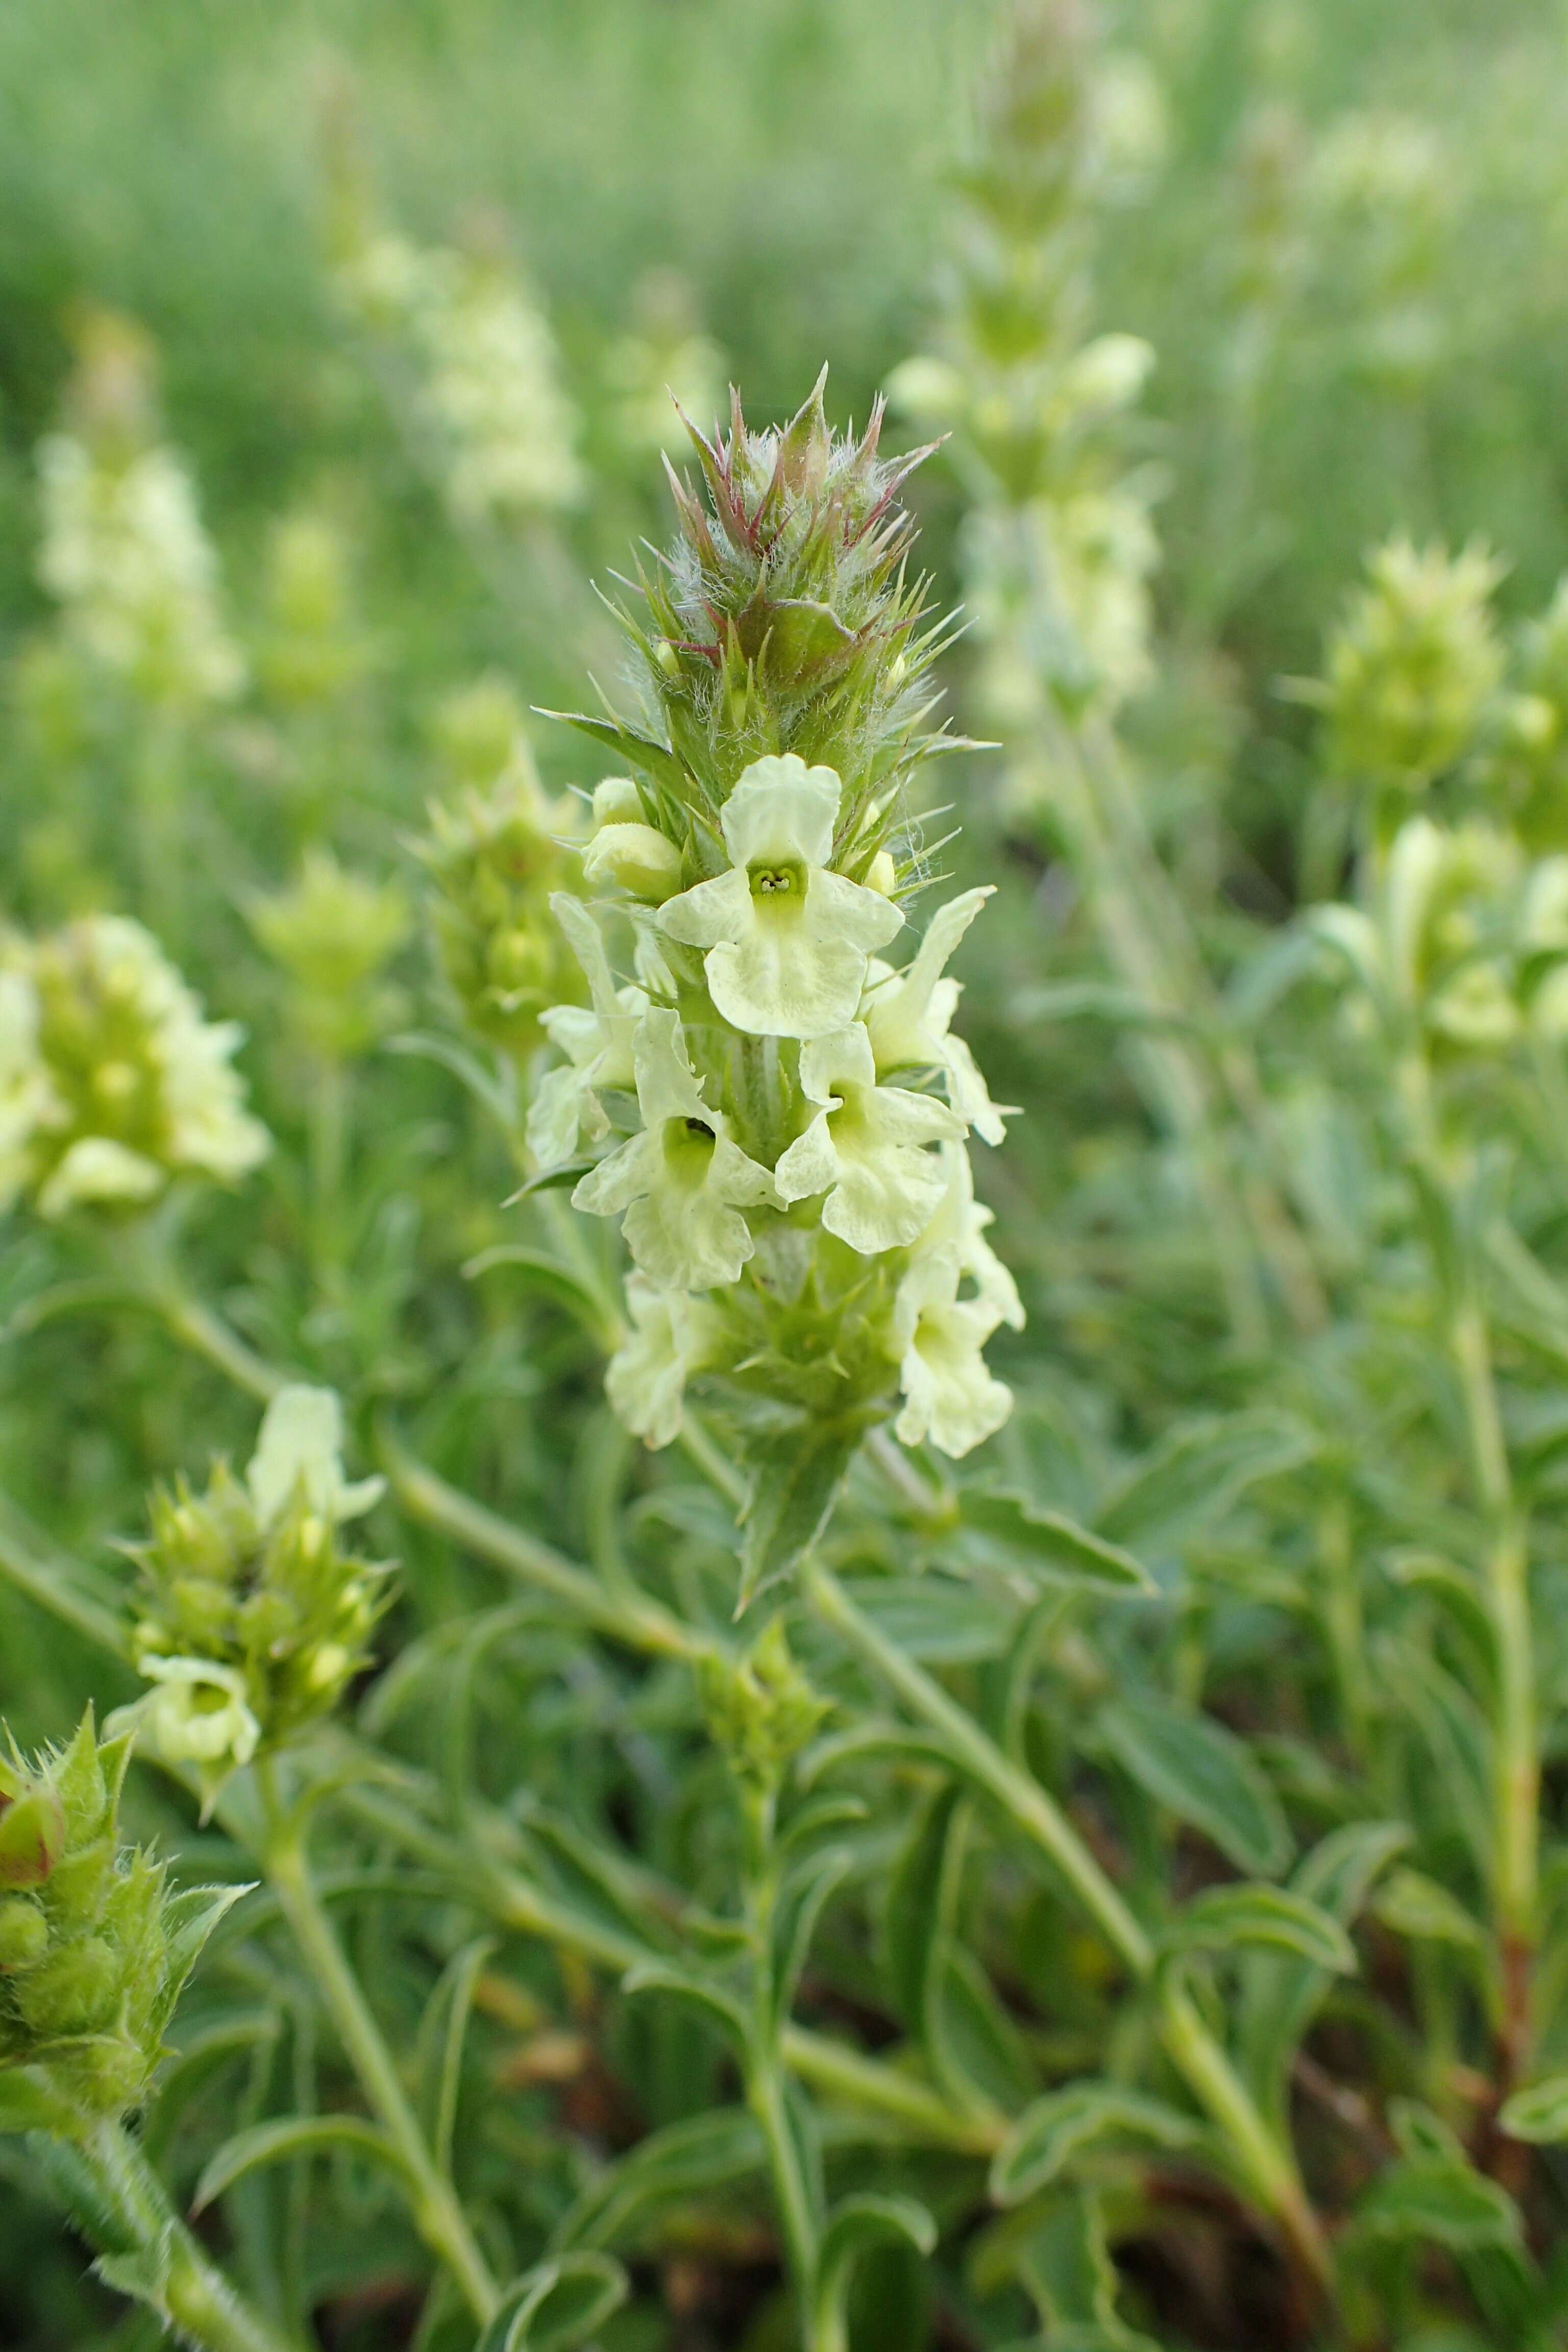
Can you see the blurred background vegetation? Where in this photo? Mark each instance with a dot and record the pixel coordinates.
(1343, 230)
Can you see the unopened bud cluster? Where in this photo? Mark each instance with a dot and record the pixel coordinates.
(312, 645)
(253, 1618)
(111, 1082)
(334, 933)
(1424, 695)
(487, 372)
(93, 1947)
(1463, 950)
(761, 1708)
(1412, 668)
(779, 1110)
(495, 853)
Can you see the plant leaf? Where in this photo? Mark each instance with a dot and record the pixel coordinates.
(1538, 2113)
(1204, 1773)
(940, 1619)
(1054, 1545)
(1416, 1906)
(1440, 2200)
(1282, 1992)
(795, 1477)
(274, 2143)
(710, 2001)
(1055, 2130)
(858, 2224)
(556, 2305)
(443, 2030)
(1229, 1917)
(719, 2149)
(1196, 1473)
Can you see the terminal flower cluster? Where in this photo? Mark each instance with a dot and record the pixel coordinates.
(111, 1081)
(776, 1103)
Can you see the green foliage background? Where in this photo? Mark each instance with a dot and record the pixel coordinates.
(793, 160)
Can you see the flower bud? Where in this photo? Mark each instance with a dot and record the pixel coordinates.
(634, 858)
(762, 1711)
(32, 1836)
(616, 800)
(1413, 667)
(24, 1933)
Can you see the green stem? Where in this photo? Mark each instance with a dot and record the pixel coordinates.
(48, 1586)
(151, 1276)
(1264, 2164)
(198, 2300)
(1021, 1798)
(766, 2090)
(1516, 1746)
(329, 1157)
(201, 1328)
(1267, 2169)
(640, 1623)
(437, 2213)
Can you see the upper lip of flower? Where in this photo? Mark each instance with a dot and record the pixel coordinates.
(786, 938)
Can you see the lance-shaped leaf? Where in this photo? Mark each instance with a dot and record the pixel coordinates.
(1049, 1543)
(443, 2031)
(717, 2151)
(857, 2225)
(1280, 1992)
(1538, 2113)
(274, 2143)
(1195, 1475)
(557, 2304)
(706, 2000)
(1229, 1917)
(940, 1619)
(1417, 1907)
(1204, 1773)
(796, 1476)
(1442, 2200)
(1052, 2133)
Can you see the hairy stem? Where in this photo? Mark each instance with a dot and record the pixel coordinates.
(200, 2303)
(641, 1624)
